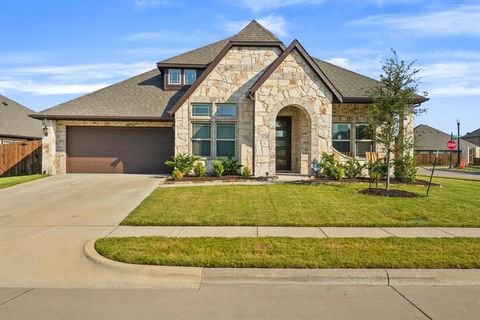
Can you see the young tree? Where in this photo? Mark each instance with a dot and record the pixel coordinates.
(395, 101)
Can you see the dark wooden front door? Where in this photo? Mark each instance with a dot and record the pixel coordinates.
(283, 143)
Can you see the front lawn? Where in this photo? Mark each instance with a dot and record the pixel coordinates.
(455, 203)
(11, 181)
(445, 253)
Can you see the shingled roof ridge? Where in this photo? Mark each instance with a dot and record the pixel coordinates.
(226, 40)
(254, 25)
(345, 69)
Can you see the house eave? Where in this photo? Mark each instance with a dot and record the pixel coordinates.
(99, 118)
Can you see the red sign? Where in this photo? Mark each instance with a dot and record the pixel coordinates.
(451, 144)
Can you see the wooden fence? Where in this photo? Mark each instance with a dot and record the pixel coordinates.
(21, 158)
(443, 159)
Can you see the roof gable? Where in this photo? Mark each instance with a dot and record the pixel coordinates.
(15, 120)
(295, 45)
(254, 31)
(429, 138)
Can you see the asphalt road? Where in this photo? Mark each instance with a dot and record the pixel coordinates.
(245, 302)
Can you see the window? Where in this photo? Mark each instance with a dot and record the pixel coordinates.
(201, 139)
(363, 139)
(226, 110)
(7, 141)
(225, 140)
(189, 76)
(341, 137)
(201, 109)
(174, 76)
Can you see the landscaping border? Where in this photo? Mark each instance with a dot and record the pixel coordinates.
(195, 276)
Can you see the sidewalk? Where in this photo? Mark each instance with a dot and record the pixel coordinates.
(295, 232)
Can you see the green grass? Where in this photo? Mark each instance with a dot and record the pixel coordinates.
(444, 253)
(456, 203)
(11, 181)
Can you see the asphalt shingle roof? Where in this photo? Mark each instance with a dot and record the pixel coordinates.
(144, 96)
(140, 96)
(472, 134)
(428, 138)
(14, 120)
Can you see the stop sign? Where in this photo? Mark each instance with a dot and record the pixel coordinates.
(451, 144)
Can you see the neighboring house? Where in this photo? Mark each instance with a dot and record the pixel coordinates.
(429, 140)
(15, 123)
(273, 108)
(473, 137)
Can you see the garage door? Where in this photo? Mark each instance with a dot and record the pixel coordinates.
(118, 150)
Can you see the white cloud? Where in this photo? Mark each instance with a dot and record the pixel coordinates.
(272, 22)
(454, 91)
(49, 89)
(150, 3)
(341, 62)
(71, 79)
(166, 36)
(462, 20)
(265, 5)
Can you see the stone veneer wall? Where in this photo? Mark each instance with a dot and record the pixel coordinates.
(294, 83)
(54, 158)
(229, 82)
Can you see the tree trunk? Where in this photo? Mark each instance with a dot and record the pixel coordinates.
(387, 185)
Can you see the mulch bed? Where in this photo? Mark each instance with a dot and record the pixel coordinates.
(392, 193)
(206, 179)
(417, 182)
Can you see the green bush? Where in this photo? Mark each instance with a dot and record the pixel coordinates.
(246, 172)
(218, 168)
(231, 166)
(177, 174)
(199, 169)
(330, 167)
(353, 168)
(378, 170)
(406, 169)
(183, 162)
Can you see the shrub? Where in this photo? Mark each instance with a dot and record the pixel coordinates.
(406, 169)
(177, 174)
(353, 168)
(183, 162)
(246, 172)
(378, 170)
(199, 169)
(231, 166)
(218, 168)
(331, 167)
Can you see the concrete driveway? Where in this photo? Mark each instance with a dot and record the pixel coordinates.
(45, 223)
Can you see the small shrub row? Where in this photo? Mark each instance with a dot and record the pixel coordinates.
(183, 164)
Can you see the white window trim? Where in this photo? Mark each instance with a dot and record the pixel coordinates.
(185, 76)
(209, 105)
(234, 105)
(229, 140)
(360, 140)
(179, 79)
(203, 139)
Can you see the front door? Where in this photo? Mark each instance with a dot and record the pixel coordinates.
(283, 143)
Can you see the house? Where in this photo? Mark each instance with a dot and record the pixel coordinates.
(272, 107)
(15, 123)
(473, 137)
(429, 140)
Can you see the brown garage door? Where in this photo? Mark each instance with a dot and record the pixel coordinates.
(118, 150)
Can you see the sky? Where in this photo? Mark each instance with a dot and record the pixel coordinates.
(56, 50)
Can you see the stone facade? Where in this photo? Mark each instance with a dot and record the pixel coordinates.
(54, 157)
(296, 86)
(229, 82)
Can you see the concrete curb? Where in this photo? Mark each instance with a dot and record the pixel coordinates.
(156, 276)
(195, 276)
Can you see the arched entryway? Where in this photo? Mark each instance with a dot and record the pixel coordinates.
(292, 140)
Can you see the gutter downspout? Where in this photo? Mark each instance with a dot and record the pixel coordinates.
(252, 97)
